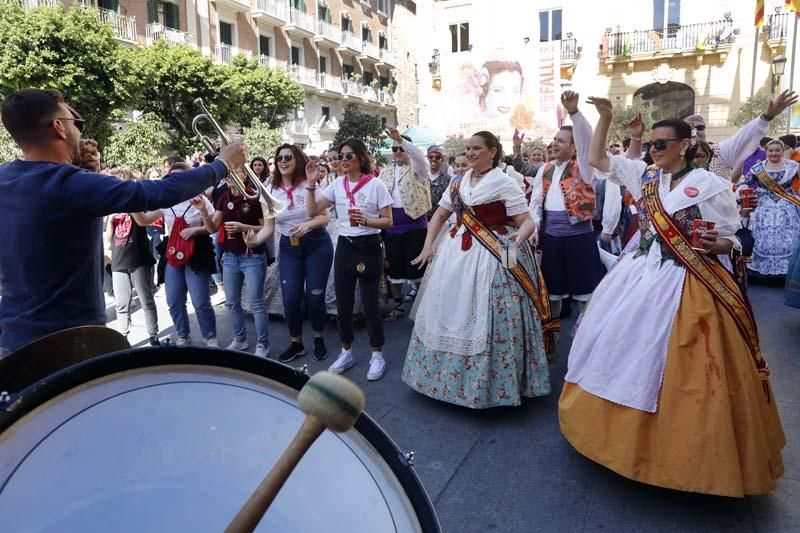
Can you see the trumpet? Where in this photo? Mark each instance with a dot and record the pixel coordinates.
(273, 205)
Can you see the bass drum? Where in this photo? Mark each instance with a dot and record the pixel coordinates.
(176, 439)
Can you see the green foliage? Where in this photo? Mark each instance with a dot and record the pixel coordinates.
(454, 145)
(622, 116)
(256, 93)
(261, 139)
(533, 142)
(139, 145)
(8, 148)
(754, 106)
(363, 126)
(69, 50)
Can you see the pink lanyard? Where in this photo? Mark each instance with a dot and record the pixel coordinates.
(363, 180)
(289, 192)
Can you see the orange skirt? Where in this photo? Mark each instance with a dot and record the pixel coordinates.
(717, 428)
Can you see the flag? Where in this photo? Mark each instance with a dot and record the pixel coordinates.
(759, 13)
(792, 5)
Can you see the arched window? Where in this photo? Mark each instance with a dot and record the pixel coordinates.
(669, 99)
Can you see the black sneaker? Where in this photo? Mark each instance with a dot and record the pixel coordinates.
(154, 341)
(320, 351)
(294, 351)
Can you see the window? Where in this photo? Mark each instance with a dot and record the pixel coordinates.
(324, 13)
(226, 33)
(295, 55)
(348, 70)
(263, 45)
(111, 5)
(299, 5)
(383, 42)
(669, 12)
(368, 77)
(383, 6)
(347, 23)
(366, 34)
(323, 64)
(459, 37)
(383, 81)
(383, 122)
(326, 113)
(669, 100)
(165, 13)
(550, 25)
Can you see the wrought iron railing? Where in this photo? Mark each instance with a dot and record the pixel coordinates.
(674, 38)
(157, 31)
(275, 8)
(569, 49)
(329, 31)
(778, 25)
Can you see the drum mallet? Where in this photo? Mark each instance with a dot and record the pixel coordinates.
(328, 400)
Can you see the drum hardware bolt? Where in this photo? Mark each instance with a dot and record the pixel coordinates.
(409, 456)
(4, 397)
(303, 369)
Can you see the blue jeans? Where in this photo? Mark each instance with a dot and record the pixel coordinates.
(305, 266)
(237, 268)
(217, 276)
(177, 280)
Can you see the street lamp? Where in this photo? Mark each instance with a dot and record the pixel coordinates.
(778, 68)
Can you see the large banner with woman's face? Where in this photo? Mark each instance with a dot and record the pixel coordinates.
(502, 89)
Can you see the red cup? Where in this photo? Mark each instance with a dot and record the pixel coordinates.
(746, 194)
(350, 213)
(698, 228)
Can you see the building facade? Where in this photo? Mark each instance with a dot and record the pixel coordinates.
(338, 50)
(681, 57)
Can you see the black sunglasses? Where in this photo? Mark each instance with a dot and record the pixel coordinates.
(79, 122)
(285, 158)
(396, 149)
(700, 127)
(349, 156)
(661, 144)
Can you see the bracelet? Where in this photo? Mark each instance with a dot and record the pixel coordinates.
(767, 117)
(572, 112)
(636, 138)
(311, 188)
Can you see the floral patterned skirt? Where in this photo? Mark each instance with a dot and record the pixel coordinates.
(513, 365)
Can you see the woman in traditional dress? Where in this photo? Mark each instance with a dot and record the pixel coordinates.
(477, 339)
(665, 382)
(775, 223)
(791, 292)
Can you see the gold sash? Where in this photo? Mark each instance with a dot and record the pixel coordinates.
(771, 185)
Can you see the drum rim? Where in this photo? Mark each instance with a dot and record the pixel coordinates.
(19, 404)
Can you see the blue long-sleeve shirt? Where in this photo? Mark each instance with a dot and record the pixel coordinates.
(51, 240)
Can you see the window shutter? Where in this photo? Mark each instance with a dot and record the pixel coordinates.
(152, 11)
(172, 16)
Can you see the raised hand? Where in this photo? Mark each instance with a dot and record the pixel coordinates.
(394, 134)
(312, 176)
(779, 103)
(517, 139)
(569, 99)
(603, 106)
(636, 127)
(90, 157)
(198, 203)
(235, 154)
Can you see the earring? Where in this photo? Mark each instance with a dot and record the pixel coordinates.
(683, 153)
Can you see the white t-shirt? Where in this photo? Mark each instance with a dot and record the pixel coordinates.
(192, 216)
(292, 215)
(370, 199)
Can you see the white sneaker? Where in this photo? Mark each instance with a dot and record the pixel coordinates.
(212, 342)
(218, 298)
(239, 346)
(344, 362)
(377, 366)
(261, 350)
(183, 341)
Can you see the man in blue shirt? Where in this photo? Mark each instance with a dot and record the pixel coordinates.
(53, 203)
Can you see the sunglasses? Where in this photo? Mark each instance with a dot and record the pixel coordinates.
(614, 146)
(661, 144)
(700, 155)
(79, 122)
(285, 158)
(349, 156)
(396, 149)
(434, 158)
(700, 127)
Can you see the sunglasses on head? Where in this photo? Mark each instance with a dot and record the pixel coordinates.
(79, 122)
(396, 149)
(285, 158)
(661, 144)
(349, 156)
(700, 127)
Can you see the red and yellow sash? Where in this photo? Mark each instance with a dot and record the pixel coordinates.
(717, 280)
(772, 186)
(536, 291)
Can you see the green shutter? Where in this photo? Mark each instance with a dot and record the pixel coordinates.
(152, 12)
(172, 16)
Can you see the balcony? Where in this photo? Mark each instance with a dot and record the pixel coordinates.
(328, 32)
(350, 43)
(369, 50)
(124, 27)
(306, 76)
(351, 88)
(156, 31)
(226, 52)
(778, 28)
(33, 4)
(271, 62)
(270, 11)
(648, 45)
(300, 22)
(569, 50)
(298, 126)
(387, 57)
(237, 6)
(385, 97)
(369, 93)
(328, 82)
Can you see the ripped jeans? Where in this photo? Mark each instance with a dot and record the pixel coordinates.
(305, 266)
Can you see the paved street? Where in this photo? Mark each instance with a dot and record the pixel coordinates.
(510, 470)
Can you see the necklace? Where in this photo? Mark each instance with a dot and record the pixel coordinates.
(681, 173)
(477, 176)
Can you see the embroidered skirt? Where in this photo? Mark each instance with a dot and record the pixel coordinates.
(716, 429)
(512, 365)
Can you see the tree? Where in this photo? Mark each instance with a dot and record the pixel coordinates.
(257, 93)
(754, 106)
(139, 145)
(363, 126)
(533, 142)
(619, 124)
(261, 139)
(69, 50)
(8, 148)
(454, 145)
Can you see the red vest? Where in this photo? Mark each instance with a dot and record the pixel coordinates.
(578, 195)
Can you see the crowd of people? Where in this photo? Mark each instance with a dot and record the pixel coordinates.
(653, 239)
